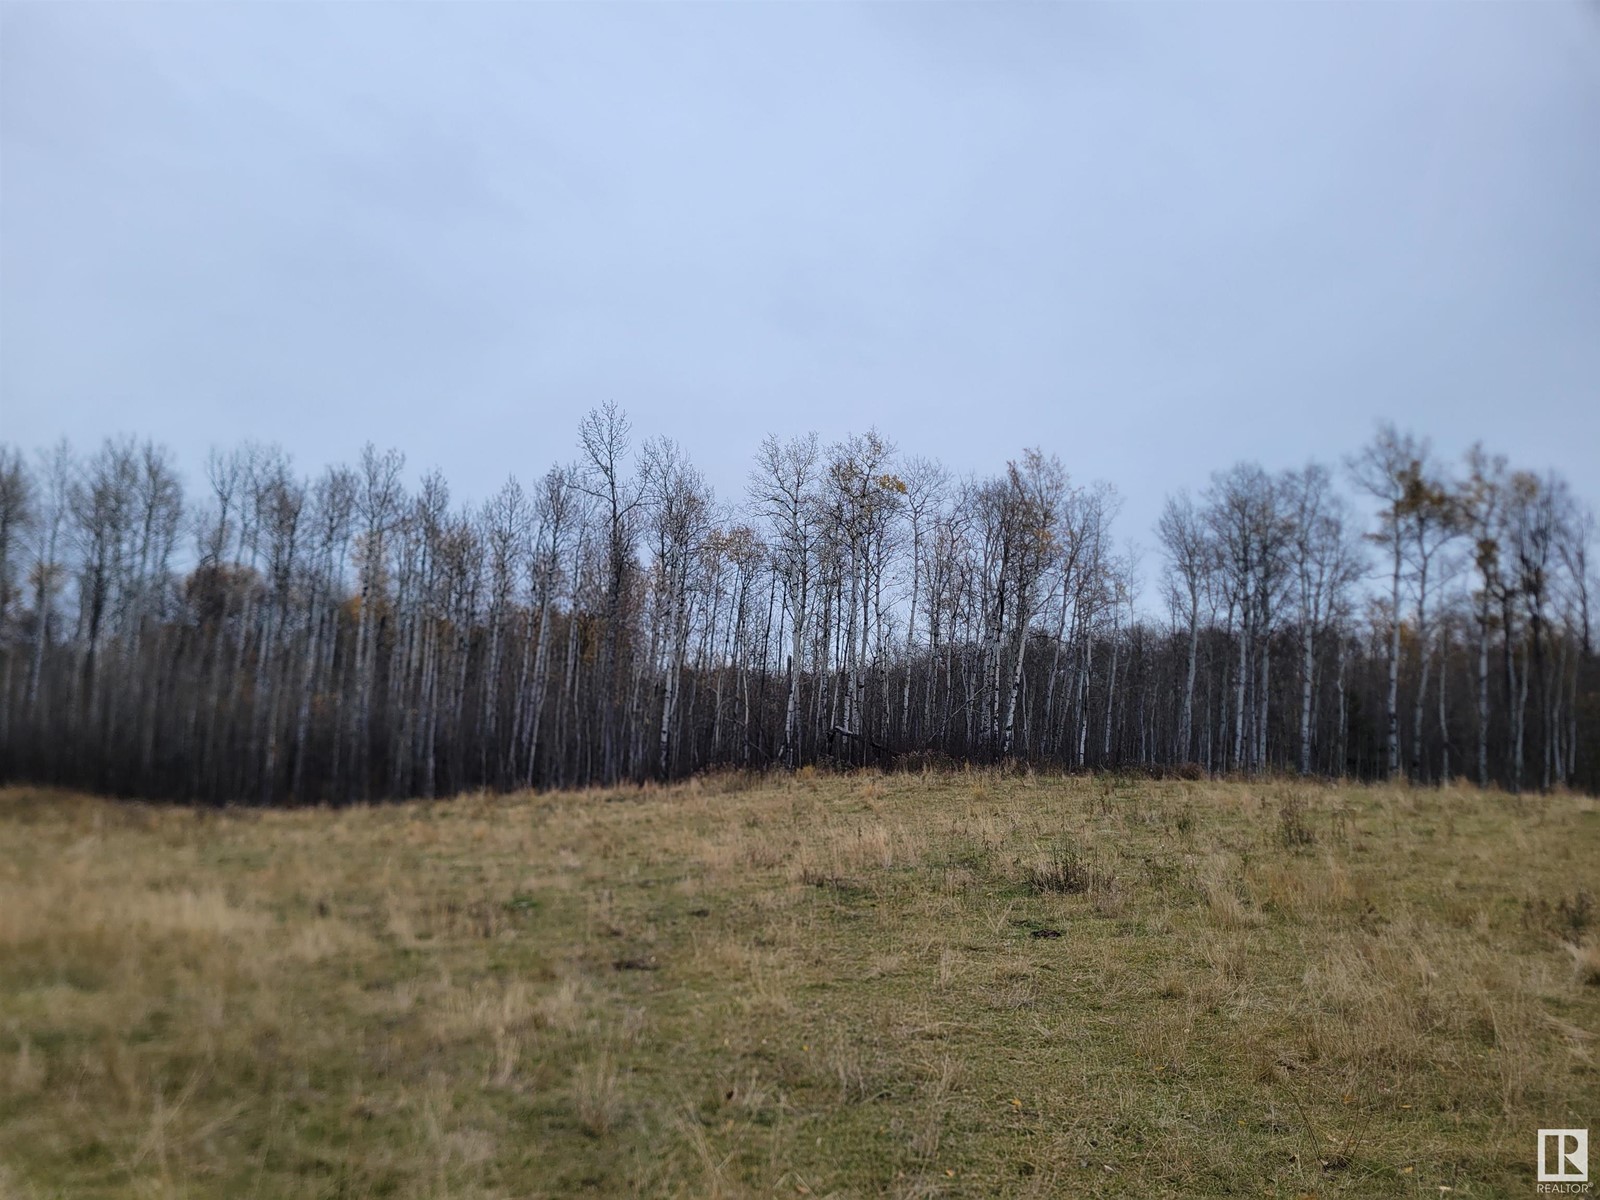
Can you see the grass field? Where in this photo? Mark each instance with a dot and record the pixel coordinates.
(941, 985)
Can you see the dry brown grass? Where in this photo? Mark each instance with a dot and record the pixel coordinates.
(1586, 961)
(967, 984)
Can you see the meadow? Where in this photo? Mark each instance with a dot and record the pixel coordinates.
(941, 984)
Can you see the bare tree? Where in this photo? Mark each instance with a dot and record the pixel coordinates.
(17, 517)
(605, 437)
(342, 638)
(378, 503)
(1325, 565)
(1481, 506)
(680, 517)
(1191, 557)
(784, 490)
(1391, 468)
(55, 474)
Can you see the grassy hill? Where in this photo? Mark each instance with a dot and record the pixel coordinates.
(941, 985)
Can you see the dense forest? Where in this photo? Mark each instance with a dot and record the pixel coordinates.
(263, 637)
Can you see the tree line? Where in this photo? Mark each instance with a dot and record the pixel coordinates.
(268, 637)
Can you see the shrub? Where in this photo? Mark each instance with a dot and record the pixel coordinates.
(1293, 831)
(1065, 870)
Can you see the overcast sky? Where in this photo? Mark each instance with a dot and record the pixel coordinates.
(1152, 239)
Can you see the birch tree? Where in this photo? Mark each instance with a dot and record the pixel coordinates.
(1191, 557)
(784, 491)
(1390, 468)
(342, 637)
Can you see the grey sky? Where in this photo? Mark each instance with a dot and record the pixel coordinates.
(1153, 239)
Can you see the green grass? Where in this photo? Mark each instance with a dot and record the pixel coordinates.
(940, 985)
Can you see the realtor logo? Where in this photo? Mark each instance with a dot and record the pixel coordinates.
(1563, 1156)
